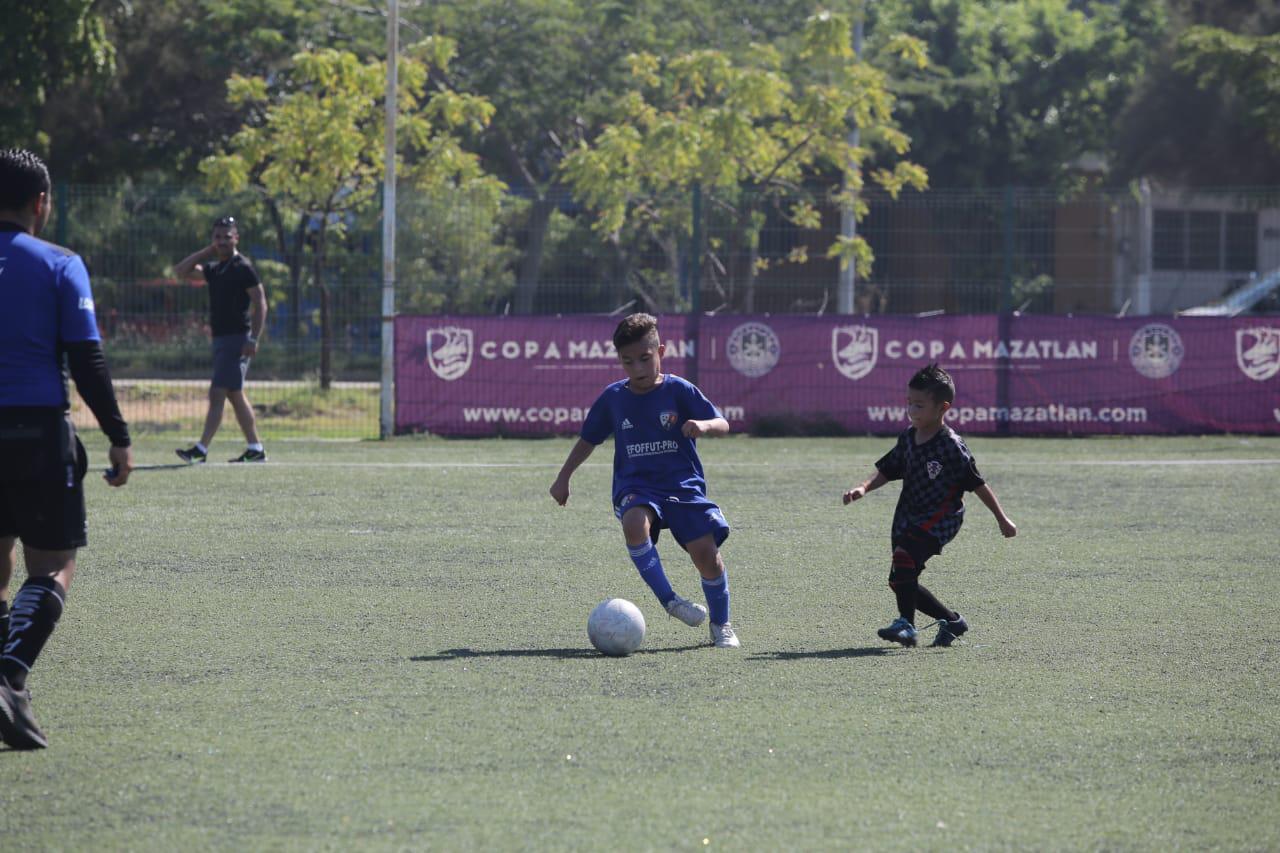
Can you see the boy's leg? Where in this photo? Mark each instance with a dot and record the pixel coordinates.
(8, 559)
(715, 580)
(904, 580)
(637, 523)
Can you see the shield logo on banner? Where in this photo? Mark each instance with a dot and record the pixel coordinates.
(1156, 350)
(1258, 352)
(854, 350)
(753, 349)
(449, 351)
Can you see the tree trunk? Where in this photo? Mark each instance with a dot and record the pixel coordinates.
(531, 261)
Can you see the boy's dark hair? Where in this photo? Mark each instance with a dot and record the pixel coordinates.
(227, 222)
(936, 381)
(23, 176)
(635, 327)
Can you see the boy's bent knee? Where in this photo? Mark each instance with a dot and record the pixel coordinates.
(904, 569)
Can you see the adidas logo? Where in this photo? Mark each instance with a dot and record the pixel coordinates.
(626, 423)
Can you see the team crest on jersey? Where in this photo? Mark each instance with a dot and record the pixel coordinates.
(753, 349)
(449, 351)
(854, 350)
(668, 419)
(934, 467)
(1156, 350)
(1258, 352)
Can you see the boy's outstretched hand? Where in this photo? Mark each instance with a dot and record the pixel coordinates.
(560, 491)
(1008, 528)
(855, 494)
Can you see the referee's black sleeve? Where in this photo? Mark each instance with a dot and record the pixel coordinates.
(88, 366)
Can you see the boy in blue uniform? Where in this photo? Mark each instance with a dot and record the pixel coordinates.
(936, 469)
(655, 419)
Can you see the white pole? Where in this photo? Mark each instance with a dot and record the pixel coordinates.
(386, 407)
(848, 221)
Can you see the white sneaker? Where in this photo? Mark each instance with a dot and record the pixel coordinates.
(686, 611)
(723, 637)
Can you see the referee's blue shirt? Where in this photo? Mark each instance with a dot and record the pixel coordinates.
(45, 301)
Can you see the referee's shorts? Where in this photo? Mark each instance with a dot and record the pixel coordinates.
(230, 364)
(42, 468)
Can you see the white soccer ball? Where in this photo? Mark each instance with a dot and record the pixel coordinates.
(616, 627)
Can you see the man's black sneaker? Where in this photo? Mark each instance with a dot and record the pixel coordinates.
(251, 456)
(950, 631)
(191, 455)
(17, 727)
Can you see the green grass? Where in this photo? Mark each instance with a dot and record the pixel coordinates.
(384, 646)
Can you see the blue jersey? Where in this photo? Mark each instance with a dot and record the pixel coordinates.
(650, 452)
(45, 302)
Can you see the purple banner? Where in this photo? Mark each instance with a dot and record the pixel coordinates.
(1014, 375)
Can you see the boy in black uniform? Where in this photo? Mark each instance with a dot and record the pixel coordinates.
(237, 312)
(936, 469)
(46, 319)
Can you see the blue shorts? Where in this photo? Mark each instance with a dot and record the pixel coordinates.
(230, 365)
(687, 519)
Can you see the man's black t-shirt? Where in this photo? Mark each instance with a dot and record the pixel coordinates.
(229, 284)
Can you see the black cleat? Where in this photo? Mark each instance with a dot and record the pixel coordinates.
(251, 456)
(17, 727)
(901, 631)
(950, 631)
(192, 455)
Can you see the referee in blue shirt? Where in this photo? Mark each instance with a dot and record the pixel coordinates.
(46, 322)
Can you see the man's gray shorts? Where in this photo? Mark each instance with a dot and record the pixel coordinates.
(230, 366)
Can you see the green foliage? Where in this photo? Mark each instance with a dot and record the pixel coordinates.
(768, 122)
(1018, 89)
(1248, 65)
(44, 46)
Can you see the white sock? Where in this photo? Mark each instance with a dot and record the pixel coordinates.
(202, 448)
(256, 447)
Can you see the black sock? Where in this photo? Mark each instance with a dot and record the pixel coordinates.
(928, 603)
(4, 625)
(36, 610)
(904, 583)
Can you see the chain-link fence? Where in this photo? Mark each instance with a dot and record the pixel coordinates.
(953, 252)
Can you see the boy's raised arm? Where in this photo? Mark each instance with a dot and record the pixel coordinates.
(988, 497)
(578, 455)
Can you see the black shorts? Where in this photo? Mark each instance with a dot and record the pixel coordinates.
(920, 544)
(42, 468)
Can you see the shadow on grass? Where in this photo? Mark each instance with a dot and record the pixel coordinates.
(564, 654)
(826, 654)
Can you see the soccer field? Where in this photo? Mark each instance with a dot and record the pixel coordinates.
(383, 646)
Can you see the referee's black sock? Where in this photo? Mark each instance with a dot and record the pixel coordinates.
(36, 610)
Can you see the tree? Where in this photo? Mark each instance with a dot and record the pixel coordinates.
(42, 47)
(312, 148)
(1195, 118)
(1018, 89)
(748, 134)
(165, 108)
(552, 69)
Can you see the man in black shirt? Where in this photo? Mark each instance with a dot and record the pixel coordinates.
(237, 312)
(47, 325)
